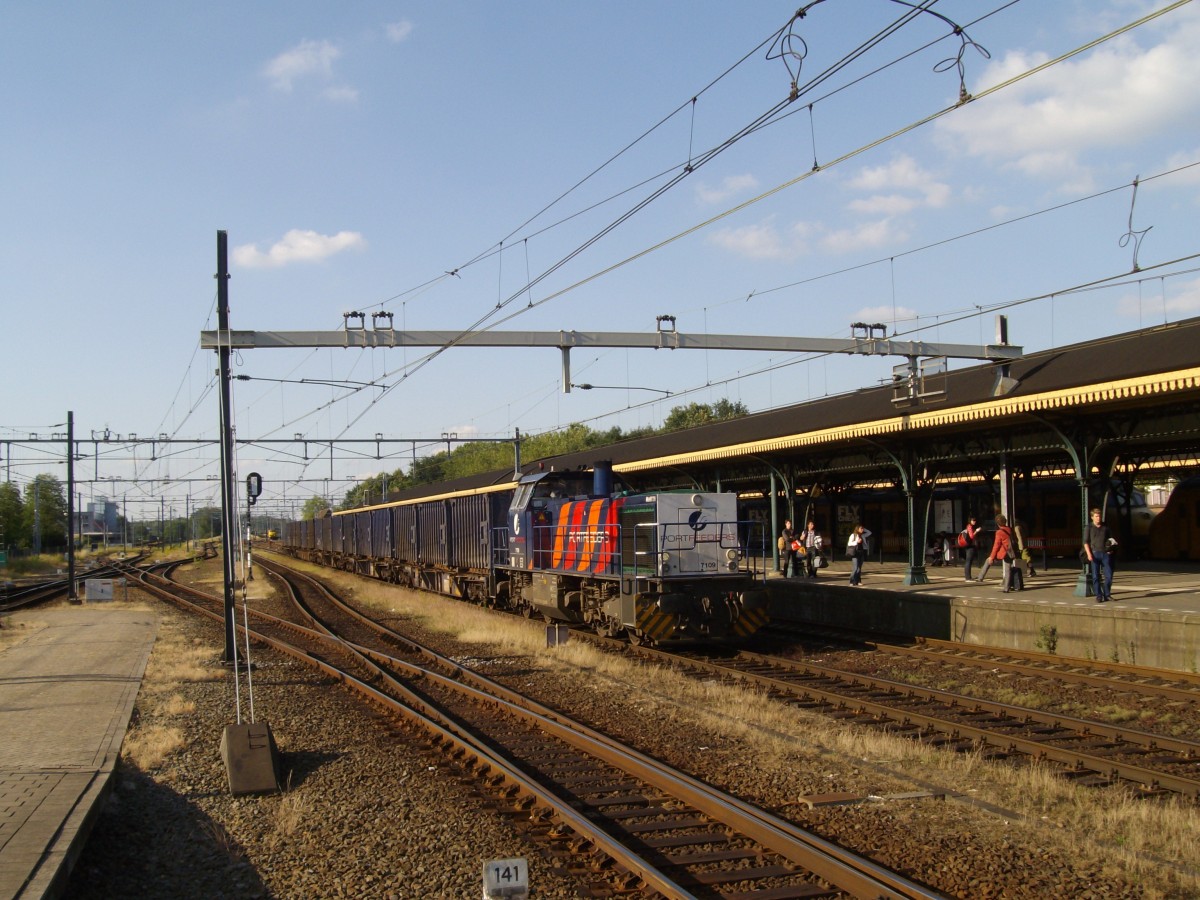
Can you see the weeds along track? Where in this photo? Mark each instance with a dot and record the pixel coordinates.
(617, 817)
(1089, 751)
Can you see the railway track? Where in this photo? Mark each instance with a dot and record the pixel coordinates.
(1136, 680)
(1089, 752)
(644, 827)
(46, 591)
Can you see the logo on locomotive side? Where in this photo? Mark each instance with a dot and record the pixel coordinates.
(695, 522)
(586, 537)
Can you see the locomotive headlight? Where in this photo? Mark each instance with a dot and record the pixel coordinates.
(697, 499)
(733, 554)
(664, 558)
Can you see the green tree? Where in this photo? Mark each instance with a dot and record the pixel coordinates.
(313, 507)
(491, 456)
(696, 414)
(12, 518)
(206, 521)
(46, 513)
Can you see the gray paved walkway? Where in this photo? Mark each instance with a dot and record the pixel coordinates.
(68, 681)
(1141, 586)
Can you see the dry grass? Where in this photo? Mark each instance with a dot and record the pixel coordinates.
(1136, 836)
(177, 705)
(17, 629)
(294, 810)
(176, 661)
(149, 747)
(223, 840)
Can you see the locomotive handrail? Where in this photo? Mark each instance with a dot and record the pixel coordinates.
(602, 551)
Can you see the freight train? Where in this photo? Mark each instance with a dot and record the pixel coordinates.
(658, 566)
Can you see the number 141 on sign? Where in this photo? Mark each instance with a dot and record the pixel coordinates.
(507, 878)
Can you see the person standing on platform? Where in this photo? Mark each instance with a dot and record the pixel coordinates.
(856, 549)
(812, 548)
(787, 558)
(1098, 543)
(1022, 558)
(1002, 549)
(970, 533)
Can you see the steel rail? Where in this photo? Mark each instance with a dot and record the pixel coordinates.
(836, 865)
(1143, 739)
(418, 711)
(1037, 664)
(1044, 665)
(955, 730)
(47, 590)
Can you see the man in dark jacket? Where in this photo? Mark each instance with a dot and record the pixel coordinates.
(1097, 544)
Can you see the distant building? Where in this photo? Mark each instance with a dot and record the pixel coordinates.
(97, 522)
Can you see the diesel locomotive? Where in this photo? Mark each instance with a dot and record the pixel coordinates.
(564, 545)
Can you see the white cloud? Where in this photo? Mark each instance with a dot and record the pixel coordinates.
(1117, 95)
(868, 234)
(340, 94)
(898, 187)
(297, 246)
(885, 204)
(874, 314)
(730, 187)
(398, 31)
(306, 58)
(1182, 301)
(1190, 176)
(763, 240)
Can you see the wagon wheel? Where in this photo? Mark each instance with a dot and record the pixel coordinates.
(501, 600)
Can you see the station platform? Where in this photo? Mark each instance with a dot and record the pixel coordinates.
(69, 677)
(1153, 619)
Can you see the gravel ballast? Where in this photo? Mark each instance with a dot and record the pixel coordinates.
(367, 811)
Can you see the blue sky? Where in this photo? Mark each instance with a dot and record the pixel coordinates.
(357, 155)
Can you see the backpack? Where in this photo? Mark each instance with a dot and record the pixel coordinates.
(963, 540)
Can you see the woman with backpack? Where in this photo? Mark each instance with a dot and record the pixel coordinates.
(1002, 549)
(966, 543)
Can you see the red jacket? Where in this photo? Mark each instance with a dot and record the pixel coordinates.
(1002, 546)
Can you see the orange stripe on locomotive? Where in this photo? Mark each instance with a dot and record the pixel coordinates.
(585, 538)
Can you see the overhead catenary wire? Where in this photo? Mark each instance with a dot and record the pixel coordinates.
(481, 323)
(1107, 282)
(527, 288)
(913, 10)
